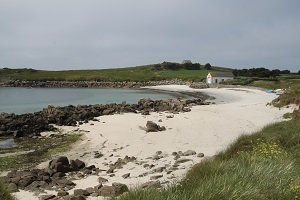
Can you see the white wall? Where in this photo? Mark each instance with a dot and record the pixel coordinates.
(214, 80)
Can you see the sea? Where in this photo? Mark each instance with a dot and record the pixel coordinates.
(26, 100)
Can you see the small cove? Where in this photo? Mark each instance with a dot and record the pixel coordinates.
(25, 100)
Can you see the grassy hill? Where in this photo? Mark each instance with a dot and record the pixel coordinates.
(139, 73)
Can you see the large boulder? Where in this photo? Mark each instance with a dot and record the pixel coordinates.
(153, 127)
(77, 164)
(62, 160)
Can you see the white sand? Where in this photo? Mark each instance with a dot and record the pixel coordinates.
(206, 129)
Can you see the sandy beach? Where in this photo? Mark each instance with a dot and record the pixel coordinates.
(207, 129)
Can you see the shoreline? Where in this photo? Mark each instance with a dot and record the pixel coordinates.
(205, 129)
(98, 84)
(172, 94)
(20, 125)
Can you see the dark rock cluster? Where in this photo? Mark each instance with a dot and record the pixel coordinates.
(54, 177)
(34, 123)
(39, 179)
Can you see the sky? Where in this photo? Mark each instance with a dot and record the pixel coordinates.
(94, 34)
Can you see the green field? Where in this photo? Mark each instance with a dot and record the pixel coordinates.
(140, 73)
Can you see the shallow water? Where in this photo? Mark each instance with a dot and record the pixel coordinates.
(24, 100)
(7, 143)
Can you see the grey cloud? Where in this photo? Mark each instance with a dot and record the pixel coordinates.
(64, 34)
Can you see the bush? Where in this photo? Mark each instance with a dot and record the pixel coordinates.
(207, 66)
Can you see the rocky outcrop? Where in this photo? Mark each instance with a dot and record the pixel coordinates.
(39, 179)
(32, 124)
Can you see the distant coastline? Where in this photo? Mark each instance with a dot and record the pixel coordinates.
(98, 84)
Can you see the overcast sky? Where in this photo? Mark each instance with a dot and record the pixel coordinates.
(82, 34)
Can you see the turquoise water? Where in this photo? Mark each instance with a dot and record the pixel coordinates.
(24, 100)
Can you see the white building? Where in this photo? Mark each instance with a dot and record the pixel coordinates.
(218, 77)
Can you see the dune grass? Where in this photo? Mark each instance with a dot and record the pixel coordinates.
(4, 193)
(264, 165)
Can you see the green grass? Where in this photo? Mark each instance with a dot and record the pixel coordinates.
(4, 194)
(264, 165)
(140, 73)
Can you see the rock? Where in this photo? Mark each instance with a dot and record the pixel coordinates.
(34, 186)
(158, 152)
(151, 166)
(189, 153)
(98, 155)
(145, 112)
(80, 164)
(17, 134)
(97, 187)
(81, 197)
(64, 183)
(110, 170)
(90, 190)
(102, 180)
(94, 194)
(159, 169)
(126, 175)
(62, 193)
(15, 179)
(25, 181)
(144, 174)
(106, 191)
(174, 153)
(120, 188)
(87, 171)
(177, 157)
(170, 116)
(60, 164)
(151, 184)
(60, 167)
(180, 153)
(80, 192)
(155, 177)
(91, 167)
(182, 160)
(58, 175)
(46, 197)
(116, 189)
(152, 127)
(63, 160)
(12, 187)
(146, 165)
(200, 155)
(156, 157)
